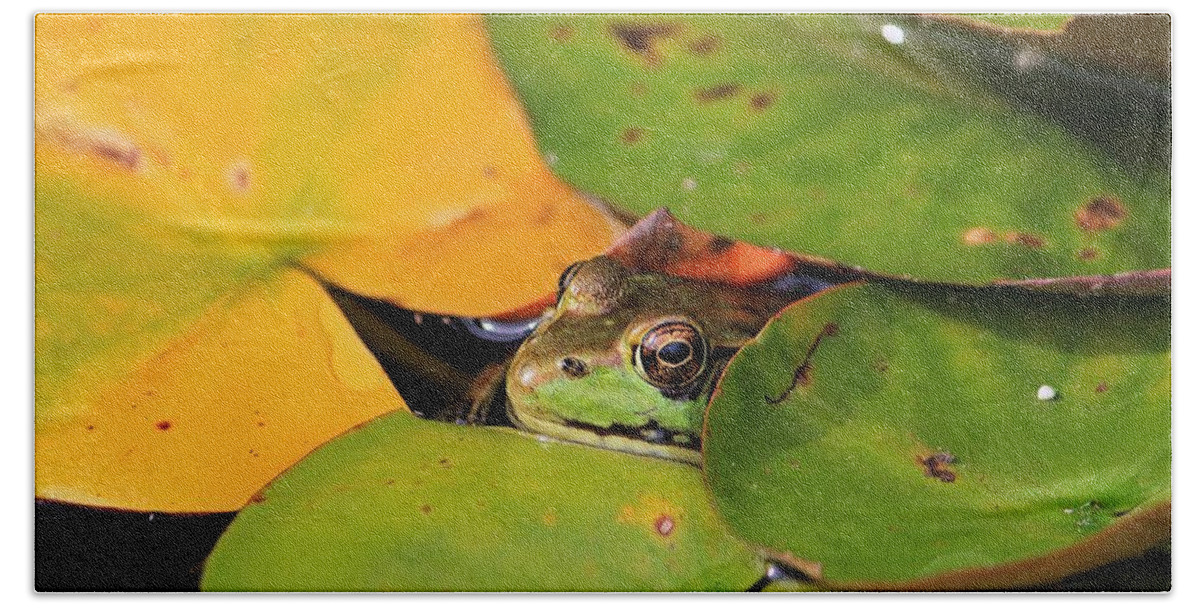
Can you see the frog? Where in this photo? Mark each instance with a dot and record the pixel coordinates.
(627, 358)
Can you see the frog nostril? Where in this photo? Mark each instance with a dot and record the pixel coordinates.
(572, 367)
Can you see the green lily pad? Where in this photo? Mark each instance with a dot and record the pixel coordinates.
(816, 134)
(407, 504)
(1041, 22)
(1104, 78)
(951, 437)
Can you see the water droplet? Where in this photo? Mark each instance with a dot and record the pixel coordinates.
(892, 33)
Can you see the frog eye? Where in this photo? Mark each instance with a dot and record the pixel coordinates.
(564, 279)
(671, 355)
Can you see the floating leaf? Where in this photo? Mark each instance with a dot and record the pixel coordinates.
(407, 504)
(1136, 43)
(948, 438)
(1104, 78)
(817, 134)
(188, 165)
(207, 416)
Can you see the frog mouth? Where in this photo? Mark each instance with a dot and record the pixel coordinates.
(646, 440)
(650, 433)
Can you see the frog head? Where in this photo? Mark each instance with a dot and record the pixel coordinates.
(628, 359)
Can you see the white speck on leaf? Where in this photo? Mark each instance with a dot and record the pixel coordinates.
(1046, 393)
(892, 33)
(689, 184)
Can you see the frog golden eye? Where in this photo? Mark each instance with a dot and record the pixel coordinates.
(671, 355)
(564, 279)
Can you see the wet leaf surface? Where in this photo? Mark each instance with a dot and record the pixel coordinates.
(407, 504)
(819, 135)
(944, 436)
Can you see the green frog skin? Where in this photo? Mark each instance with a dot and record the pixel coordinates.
(628, 359)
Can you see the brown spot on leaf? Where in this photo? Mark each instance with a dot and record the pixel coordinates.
(545, 214)
(260, 424)
(163, 425)
(1101, 213)
(489, 172)
(91, 427)
(937, 465)
(705, 46)
(1031, 240)
(717, 92)
(978, 236)
(632, 135)
(880, 365)
(120, 152)
(642, 38)
(1088, 254)
(562, 33)
(426, 509)
(1025, 239)
(719, 245)
(238, 177)
(258, 498)
(100, 143)
(664, 525)
(550, 518)
(762, 101)
(1102, 387)
(639, 89)
(389, 482)
(445, 462)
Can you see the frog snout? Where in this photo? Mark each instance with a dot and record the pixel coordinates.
(532, 375)
(528, 377)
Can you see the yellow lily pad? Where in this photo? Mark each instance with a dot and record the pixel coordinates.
(194, 175)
